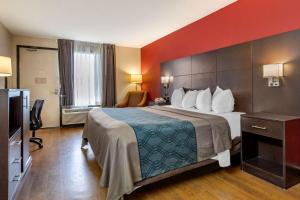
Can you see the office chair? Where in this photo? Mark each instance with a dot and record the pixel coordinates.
(36, 122)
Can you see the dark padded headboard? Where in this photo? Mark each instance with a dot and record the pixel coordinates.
(239, 68)
(229, 68)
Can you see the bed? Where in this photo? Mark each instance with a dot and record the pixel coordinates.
(138, 146)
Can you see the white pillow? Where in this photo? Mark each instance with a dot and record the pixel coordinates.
(177, 96)
(217, 91)
(223, 102)
(203, 102)
(189, 99)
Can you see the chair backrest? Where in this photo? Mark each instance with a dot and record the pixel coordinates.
(35, 114)
(135, 97)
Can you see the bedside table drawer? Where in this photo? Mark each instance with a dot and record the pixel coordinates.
(267, 128)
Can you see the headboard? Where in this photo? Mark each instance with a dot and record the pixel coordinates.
(239, 68)
(229, 68)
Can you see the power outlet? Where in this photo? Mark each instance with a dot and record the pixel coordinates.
(273, 82)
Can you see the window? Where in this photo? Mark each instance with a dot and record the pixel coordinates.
(87, 74)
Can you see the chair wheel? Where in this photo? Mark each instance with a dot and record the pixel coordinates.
(39, 139)
(34, 140)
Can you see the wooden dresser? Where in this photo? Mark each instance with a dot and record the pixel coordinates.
(15, 158)
(271, 146)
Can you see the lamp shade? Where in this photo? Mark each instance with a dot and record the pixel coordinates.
(165, 79)
(272, 70)
(136, 78)
(5, 66)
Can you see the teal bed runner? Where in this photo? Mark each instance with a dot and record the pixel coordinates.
(164, 143)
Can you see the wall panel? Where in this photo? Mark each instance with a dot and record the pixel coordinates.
(282, 48)
(240, 68)
(204, 63)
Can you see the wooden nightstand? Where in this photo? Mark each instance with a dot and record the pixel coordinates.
(271, 147)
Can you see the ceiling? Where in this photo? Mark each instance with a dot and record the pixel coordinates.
(133, 23)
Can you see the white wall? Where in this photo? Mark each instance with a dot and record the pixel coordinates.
(5, 46)
(128, 61)
(30, 41)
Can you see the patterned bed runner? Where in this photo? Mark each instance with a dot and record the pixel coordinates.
(164, 143)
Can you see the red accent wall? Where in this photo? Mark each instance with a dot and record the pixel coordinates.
(242, 21)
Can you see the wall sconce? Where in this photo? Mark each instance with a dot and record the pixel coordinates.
(273, 72)
(5, 66)
(166, 80)
(136, 79)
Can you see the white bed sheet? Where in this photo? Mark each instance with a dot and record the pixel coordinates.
(234, 121)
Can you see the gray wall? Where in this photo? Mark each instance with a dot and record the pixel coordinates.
(5, 46)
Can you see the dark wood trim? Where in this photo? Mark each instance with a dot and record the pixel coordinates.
(37, 47)
(18, 66)
(60, 113)
(72, 126)
(5, 83)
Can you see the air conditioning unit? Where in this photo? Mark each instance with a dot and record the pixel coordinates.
(72, 116)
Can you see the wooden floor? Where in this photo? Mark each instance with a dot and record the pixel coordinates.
(62, 171)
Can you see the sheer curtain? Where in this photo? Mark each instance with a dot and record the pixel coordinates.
(87, 74)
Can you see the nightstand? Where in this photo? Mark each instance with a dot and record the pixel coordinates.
(271, 147)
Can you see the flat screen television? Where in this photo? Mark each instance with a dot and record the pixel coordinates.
(15, 111)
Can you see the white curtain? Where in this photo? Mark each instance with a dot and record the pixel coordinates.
(87, 74)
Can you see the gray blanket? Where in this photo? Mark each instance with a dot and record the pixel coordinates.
(115, 145)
